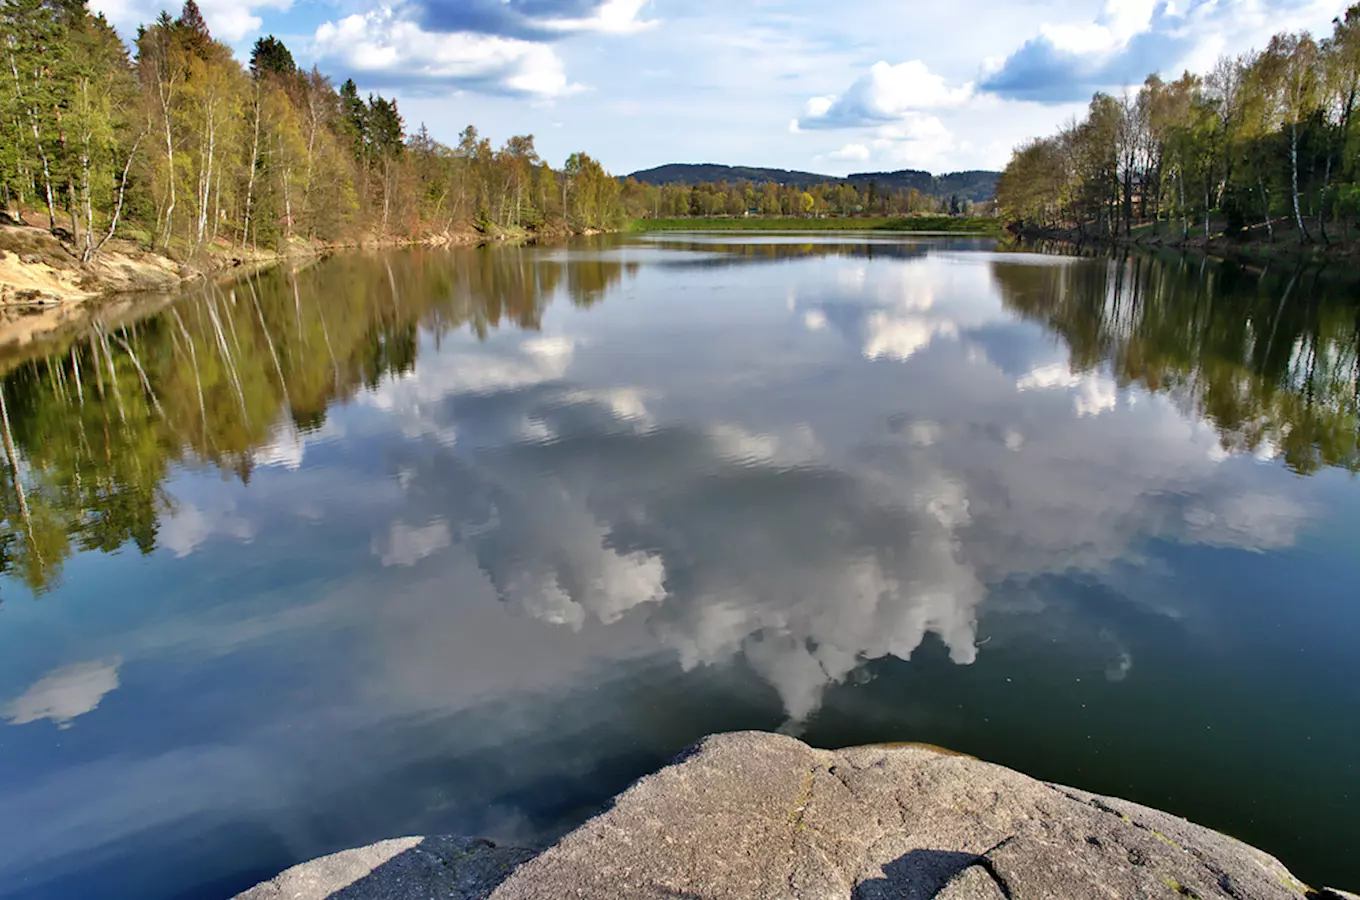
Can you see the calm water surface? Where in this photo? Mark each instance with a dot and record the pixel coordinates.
(466, 541)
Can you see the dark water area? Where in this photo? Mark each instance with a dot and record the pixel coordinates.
(466, 541)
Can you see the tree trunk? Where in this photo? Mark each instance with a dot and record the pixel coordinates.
(73, 207)
(1128, 199)
(87, 251)
(1294, 178)
(1265, 208)
(32, 111)
(47, 178)
(165, 93)
(250, 180)
(122, 194)
(217, 207)
(205, 179)
(311, 151)
(286, 176)
(165, 96)
(1185, 213)
(87, 204)
(1322, 199)
(386, 192)
(366, 201)
(288, 203)
(1207, 236)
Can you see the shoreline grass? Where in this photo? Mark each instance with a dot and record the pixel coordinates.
(976, 225)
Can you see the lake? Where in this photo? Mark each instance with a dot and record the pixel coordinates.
(465, 541)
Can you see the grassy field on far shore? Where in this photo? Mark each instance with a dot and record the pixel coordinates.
(919, 224)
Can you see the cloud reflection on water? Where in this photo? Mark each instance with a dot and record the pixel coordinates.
(799, 524)
(499, 561)
(64, 694)
(805, 548)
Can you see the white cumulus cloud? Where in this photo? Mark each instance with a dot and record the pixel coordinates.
(227, 20)
(885, 94)
(850, 151)
(384, 45)
(1130, 39)
(611, 17)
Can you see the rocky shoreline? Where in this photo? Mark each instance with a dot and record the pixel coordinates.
(753, 816)
(45, 288)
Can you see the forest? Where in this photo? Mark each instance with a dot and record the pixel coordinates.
(176, 144)
(770, 199)
(977, 186)
(1265, 147)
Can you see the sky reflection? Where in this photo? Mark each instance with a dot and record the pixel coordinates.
(513, 568)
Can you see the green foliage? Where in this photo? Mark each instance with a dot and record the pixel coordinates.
(976, 187)
(186, 145)
(385, 130)
(269, 56)
(591, 198)
(1265, 140)
(792, 198)
(353, 117)
(192, 30)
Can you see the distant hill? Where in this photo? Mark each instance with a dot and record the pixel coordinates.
(702, 173)
(976, 186)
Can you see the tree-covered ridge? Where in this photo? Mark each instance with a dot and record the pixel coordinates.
(711, 173)
(772, 198)
(977, 186)
(1266, 142)
(180, 145)
(92, 431)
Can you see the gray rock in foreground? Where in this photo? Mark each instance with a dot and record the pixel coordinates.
(448, 868)
(763, 816)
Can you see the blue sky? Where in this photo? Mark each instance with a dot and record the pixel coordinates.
(851, 86)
